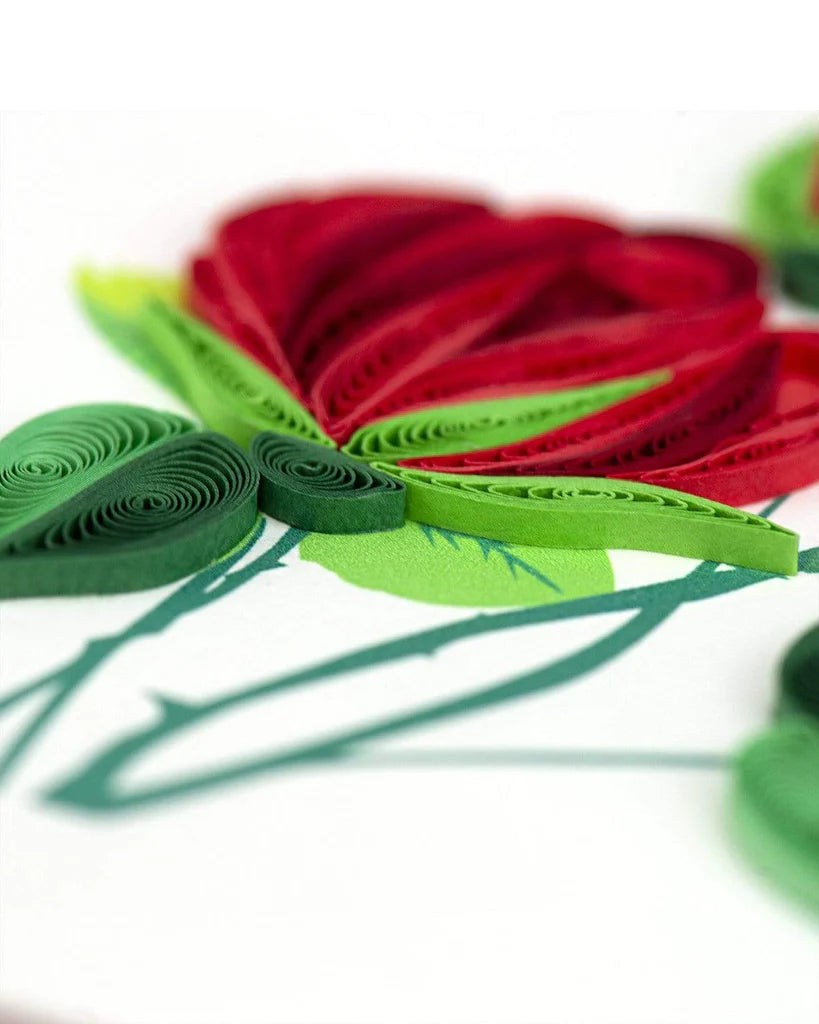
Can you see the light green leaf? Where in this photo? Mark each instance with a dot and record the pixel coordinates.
(140, 315)
(451, 429)
(441, 567)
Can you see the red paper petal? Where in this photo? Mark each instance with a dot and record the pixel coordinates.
(773, 455)
(384, 357)
(708, 399)
(366, 304)
(429, 264)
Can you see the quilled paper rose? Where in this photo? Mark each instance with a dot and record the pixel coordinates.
(434, 337)
(544, 378)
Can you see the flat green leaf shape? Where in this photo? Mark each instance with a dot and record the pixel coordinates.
(442, 567)
(228, 390)
(471, 426)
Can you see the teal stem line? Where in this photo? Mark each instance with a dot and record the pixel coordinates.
(513, 561)
(95, 787)
(539, 757)
(58, 686)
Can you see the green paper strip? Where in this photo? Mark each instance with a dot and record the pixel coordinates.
(776, 806)
(779, 217)
(472, 426)
(799, 272)
(228, 390)
(49, 459)
(799, 678)
(113, 303)
(584, 512)
(777, 200)
(313, 488)
(165, 514)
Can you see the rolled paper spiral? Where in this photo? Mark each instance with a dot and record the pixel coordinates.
(584, 512)
(449, 429)
(168, 509)
(313, 488)
(776, 806)
(49, 459)
(799, 679)
(782, 215)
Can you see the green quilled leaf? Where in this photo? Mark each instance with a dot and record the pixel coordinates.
(314, 488)
(471, 426)
(589, 512)
(112, 498)
(235, 395)
(228, 390)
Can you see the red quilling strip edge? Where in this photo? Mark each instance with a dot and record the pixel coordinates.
(708, 399)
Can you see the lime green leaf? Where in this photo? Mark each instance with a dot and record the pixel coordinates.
(113, 302)
(140, 315)
(441, 567)
(471, 426)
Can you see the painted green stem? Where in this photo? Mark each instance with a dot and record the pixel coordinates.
(202, 589)
(96, 785)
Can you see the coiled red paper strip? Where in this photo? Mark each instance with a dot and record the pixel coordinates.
(369, 304)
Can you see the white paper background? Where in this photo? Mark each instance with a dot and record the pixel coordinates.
(376, 891)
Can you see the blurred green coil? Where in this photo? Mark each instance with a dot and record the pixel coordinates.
(781, 214)
(799, 682)
(776, 806)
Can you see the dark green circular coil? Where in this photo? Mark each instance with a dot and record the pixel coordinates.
(799, 678)
(315, 488)
(110, 499)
